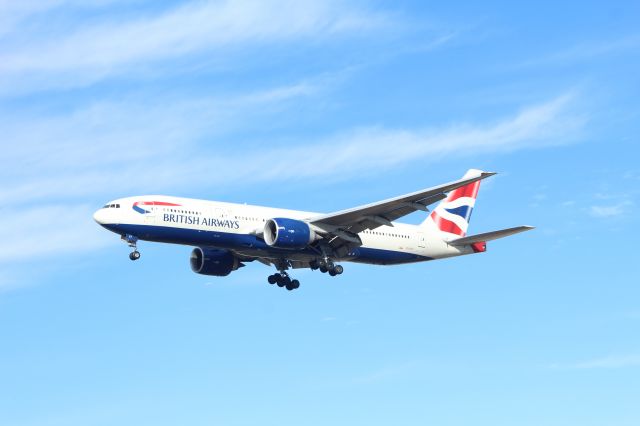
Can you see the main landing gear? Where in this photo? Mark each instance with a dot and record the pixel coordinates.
(283, 279)
(325, 266)
(132, 242)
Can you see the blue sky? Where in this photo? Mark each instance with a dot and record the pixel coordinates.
(320, 105)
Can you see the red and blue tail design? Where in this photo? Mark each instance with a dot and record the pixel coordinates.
(453, 214)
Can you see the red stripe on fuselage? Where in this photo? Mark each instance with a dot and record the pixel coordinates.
(158, 203)
(446, 225)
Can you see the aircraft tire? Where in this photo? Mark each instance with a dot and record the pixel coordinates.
(293, 284)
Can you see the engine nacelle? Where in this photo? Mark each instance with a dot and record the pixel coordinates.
(288, 233)
(219, 263)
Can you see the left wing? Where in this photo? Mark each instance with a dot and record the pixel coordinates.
(342, 228)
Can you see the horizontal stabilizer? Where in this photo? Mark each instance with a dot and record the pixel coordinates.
(488, 236)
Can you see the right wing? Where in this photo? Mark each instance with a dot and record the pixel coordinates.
(341, 228)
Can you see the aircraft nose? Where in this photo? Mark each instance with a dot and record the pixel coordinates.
(99, 216)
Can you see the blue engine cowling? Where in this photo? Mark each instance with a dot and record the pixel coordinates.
(219, 263)
(288, 233)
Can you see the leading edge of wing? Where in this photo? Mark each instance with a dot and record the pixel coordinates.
(355, 213)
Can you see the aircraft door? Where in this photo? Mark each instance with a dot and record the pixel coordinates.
(421, 240)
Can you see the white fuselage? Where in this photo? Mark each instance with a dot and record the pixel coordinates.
(238, 227)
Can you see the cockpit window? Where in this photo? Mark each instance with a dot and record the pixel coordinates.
(117, 206)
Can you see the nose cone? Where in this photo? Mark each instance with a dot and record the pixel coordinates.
(100, 216)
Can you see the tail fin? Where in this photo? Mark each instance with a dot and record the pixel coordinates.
(452, 215)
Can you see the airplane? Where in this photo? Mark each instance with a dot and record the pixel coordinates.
(228, 235)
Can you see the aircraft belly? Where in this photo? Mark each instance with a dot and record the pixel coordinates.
(251, 246)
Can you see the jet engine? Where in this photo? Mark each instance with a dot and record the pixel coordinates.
(288, 233)
(219, 263)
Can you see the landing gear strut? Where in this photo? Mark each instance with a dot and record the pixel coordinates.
(132, 242)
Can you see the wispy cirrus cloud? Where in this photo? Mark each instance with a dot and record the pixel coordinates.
(586, 51)
(84, 54)
(14, 13)
(48, 229)
(97, 153)
(172, 146)
(612, 210)
(609, 362)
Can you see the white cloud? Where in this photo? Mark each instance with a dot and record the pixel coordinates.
(101, 150)
(608, 211)
(632, 175)
(39, 231)
(588, 51)
(84, 55)
(622, 361)
(113, 150)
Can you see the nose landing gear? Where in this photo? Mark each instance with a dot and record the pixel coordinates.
(132, 242)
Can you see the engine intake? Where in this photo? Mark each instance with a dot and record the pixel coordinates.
(288, 233)
(219, 263)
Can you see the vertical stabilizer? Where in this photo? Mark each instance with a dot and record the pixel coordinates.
(451, 217)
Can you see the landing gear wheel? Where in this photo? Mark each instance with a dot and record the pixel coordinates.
(134, 255)
(272, 279)
(332, 272)
(338, 269)
(323, 269)
(293, 285)
(280, 280)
